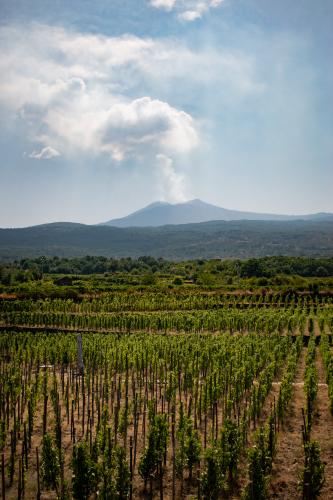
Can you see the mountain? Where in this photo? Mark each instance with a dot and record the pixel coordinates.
(217, 239)
(162, 213)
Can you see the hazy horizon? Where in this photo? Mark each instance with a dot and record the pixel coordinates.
(126, 214)
(107, 107)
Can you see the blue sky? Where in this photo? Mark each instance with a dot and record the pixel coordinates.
(107, 106)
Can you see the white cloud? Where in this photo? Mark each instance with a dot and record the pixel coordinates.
(163, 4)
(91, 93)
(187, 10)
(75, 91)
(45, 154)
(147, 121)
(117, 97)
(171, 182)
(190, 15)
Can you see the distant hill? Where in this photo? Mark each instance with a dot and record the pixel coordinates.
(162, 213)
(218, 239)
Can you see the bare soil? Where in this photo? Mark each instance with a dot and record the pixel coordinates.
(289, 456)
(322, 429)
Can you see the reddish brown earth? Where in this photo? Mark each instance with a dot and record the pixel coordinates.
(289, 457)
(286, 467)
(322, 429)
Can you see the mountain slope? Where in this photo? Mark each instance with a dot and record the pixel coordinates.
(162, 213)
(218, 239)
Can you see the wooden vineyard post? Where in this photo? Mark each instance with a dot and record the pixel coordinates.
(67, 401)
(80, 365)
(200, 419)
(84, 404)
(72, 420)
(19, 486)
(151, 477)
(12, 456)
(3, 483)
(199, 483)
(136, 424)
(109, 444)
(131, 466)
(25, 447)
(173, 423)
(93, 398)
(45, 414)
(144, 421)
(216, 420)
(116, 417)
(19, 411)
(90, 434)
(77, 399)
(38, 475)
(161, 479)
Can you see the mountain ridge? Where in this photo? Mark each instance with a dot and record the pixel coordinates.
(195, 211)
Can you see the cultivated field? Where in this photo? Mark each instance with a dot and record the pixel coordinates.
(187, 395)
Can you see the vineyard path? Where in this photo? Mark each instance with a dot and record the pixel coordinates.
(322, 429)
(289, 457)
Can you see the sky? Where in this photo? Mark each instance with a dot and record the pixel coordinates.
(109, 105)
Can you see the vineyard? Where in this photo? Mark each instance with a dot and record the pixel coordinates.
(174, 395)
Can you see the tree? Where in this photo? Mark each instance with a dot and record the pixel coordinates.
(177, 281)
(149, 279)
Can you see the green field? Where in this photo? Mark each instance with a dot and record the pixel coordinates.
(198, 382)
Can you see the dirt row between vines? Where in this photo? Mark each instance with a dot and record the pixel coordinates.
(289, 459)
(289, 456)
(322, 429)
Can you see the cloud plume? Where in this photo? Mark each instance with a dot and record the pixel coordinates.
(171, 182)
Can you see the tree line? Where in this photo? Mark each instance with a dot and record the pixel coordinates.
(266, 267)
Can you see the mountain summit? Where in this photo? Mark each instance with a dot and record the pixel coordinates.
(162, 213)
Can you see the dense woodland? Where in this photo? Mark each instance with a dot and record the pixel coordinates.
(102, 273)
(264, 267)
(216, 239)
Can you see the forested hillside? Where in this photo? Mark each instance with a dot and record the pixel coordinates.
(218, 239)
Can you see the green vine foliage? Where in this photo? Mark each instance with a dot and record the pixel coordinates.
(260, 459)
(212, 478)
(313, 475)
(192, 448)
(154, 453)
(230, 444)
(85, 472)
(50, 465)
(123, 476)
(116, 477)
(257, 488)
